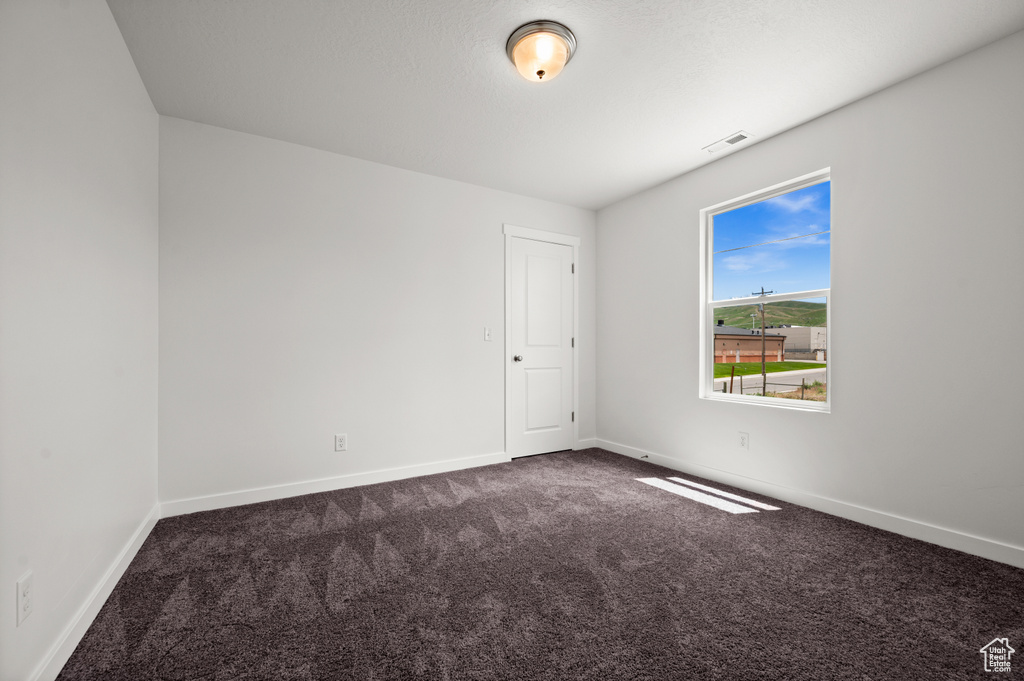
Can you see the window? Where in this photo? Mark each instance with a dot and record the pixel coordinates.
(766, 284)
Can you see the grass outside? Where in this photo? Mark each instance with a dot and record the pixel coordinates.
(814, 392)
(751, 368)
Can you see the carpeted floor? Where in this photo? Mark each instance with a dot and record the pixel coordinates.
(561, 566)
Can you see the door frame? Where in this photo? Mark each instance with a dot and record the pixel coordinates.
(514, 232)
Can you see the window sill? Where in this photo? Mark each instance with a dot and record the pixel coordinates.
(777, 402)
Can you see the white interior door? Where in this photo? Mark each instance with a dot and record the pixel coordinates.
(540, 350)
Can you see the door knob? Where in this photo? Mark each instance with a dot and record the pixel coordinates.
(517, 358)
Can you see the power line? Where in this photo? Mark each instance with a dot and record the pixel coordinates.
(788, 238)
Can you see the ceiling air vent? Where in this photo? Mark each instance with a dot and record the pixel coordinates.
(729, 141)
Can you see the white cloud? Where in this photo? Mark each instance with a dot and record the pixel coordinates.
(754, 263)
(737, 263)
(792, 204)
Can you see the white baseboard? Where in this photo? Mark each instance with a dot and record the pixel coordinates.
(978, 546)
(294, 489)
(586, 444)
(69, 639)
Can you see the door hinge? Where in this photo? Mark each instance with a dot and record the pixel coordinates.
(574, 268)
(574, 417)
(574, 342)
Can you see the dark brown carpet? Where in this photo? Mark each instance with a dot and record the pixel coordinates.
(554, 567)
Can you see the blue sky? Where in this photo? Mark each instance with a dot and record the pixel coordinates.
(741, 266)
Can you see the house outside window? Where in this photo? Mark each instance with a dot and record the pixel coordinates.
(766, 286)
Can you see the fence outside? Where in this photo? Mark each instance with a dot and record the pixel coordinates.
(754, 384)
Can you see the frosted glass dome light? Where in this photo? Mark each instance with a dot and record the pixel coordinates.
(540, 49)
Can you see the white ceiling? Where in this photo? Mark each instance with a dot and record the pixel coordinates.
(426, 86)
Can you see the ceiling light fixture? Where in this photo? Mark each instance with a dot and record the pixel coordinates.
(540, 49)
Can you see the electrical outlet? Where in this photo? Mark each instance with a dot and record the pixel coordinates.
(341, 443)
(26, 597)
(744, 441)
(487, 333)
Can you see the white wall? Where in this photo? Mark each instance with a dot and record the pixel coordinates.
(928, 233)
(304, 294)
(78, 317)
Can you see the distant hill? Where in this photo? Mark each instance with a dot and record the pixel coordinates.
(792, 312)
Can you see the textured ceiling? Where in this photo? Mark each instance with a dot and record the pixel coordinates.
(426, 86)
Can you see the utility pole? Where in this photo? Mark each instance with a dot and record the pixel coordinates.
(764, 372)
